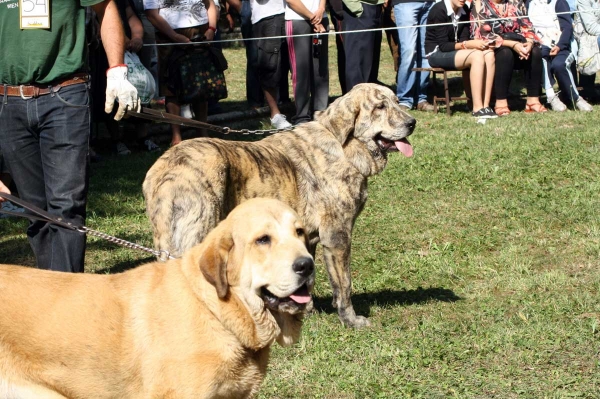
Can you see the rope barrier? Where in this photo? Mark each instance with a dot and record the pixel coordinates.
(587, 11)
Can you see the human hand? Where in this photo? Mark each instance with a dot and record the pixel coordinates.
(179, 38)
(135, 44)
(230, 22)
(554, 50)
(3, 189)
(118, 88)
(477, 44)
(319, 28)
(317, 16)
(209, 35)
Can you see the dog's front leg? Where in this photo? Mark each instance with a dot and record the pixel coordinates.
(336, 250)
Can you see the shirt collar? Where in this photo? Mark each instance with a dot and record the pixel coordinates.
(450, 11)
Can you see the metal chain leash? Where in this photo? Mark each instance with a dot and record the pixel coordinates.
(162, 254)
(163, 116)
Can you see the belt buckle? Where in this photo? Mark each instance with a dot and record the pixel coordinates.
(22, 95)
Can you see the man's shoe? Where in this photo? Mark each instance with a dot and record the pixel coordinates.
(122, 149)
(425, 107)
(404, 107)
(556, 104)
(583, 105)
(280, 122)
(151, 146)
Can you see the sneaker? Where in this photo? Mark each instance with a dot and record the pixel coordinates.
(8, 206)
(583, 105)
(484, 113)
(122, 149)
(425, 106)
(186, 111)
(490, 113)
(151, 146)
(556, 104)
(280, 122)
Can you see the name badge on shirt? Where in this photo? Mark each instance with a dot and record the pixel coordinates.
(35, 14)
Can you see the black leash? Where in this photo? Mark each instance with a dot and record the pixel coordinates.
(35, 213)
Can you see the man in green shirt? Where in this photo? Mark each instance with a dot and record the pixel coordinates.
(45, 116)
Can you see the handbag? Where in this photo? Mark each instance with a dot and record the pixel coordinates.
(140, 77)
(588, 54)
(513, 36)
(196, 75)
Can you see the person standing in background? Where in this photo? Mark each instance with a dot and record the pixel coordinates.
(45, 115)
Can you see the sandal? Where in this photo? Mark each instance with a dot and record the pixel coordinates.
(502, 111)
(536, 107)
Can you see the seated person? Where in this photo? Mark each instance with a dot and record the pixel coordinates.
(517, 47)
(591, 24)
(552, 23)
(449, 47)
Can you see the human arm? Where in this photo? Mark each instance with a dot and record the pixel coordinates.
(236, 4)
(590, 20)
(163, 26)
(300, 9)
(566, 24)
(211, 11)
(3, 189)
(113, 39)
(137, 31)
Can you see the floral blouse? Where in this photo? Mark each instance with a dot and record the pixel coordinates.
(509, 17)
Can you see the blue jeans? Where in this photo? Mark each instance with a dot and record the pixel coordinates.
(45, 143)
(412, 86)
(254, 93)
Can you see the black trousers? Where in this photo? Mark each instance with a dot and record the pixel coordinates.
(362, 49)
(507, 61)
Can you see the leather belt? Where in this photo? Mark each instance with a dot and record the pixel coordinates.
(34, 91)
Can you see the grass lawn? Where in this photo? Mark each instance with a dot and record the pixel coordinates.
(477, 261)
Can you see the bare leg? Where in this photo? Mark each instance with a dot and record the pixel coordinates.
(473, 60)
(175, 109)
(490, 70)
(271, 97)
(201, 114)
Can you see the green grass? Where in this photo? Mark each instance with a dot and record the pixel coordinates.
(477, 261)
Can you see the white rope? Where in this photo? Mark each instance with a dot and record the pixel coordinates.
(364, 30)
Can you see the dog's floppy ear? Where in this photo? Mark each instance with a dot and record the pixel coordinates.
(340, 117)
(213, 261)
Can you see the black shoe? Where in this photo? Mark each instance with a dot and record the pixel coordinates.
(490, 112)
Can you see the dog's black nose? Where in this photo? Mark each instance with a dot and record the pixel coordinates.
(304, 266)
(411, 123)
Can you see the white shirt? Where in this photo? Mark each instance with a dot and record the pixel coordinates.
(179, 14)
(265, 8)
(311, 5)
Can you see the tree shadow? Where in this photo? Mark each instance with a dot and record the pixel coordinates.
(364, 301)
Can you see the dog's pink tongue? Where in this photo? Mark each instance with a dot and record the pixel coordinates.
(404, 147)
(301, 295)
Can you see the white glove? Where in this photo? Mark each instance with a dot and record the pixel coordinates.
(118, 88)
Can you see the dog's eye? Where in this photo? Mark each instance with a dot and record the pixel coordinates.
(264, 240)
(380, 106)
(300, 232)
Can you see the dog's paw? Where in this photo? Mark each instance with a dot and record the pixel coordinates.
(356, 321)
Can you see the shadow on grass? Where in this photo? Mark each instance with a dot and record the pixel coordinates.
(363, 301)
(126, 265)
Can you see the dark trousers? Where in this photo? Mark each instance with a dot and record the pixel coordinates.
(507, 61)
(254, 93)
(559, 66)
(45, 143)
(310, 74)
(362, 49)
(336, 20)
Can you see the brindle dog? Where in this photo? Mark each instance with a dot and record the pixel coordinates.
(320, 169)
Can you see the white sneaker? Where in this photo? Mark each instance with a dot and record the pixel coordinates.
(583, 105)
(8, 206)
(186, 111)
(122, 149)
(280, 122)
(556, 104)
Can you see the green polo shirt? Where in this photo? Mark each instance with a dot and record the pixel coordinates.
(43, 55)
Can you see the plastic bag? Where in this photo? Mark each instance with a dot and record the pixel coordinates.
(140, 77)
